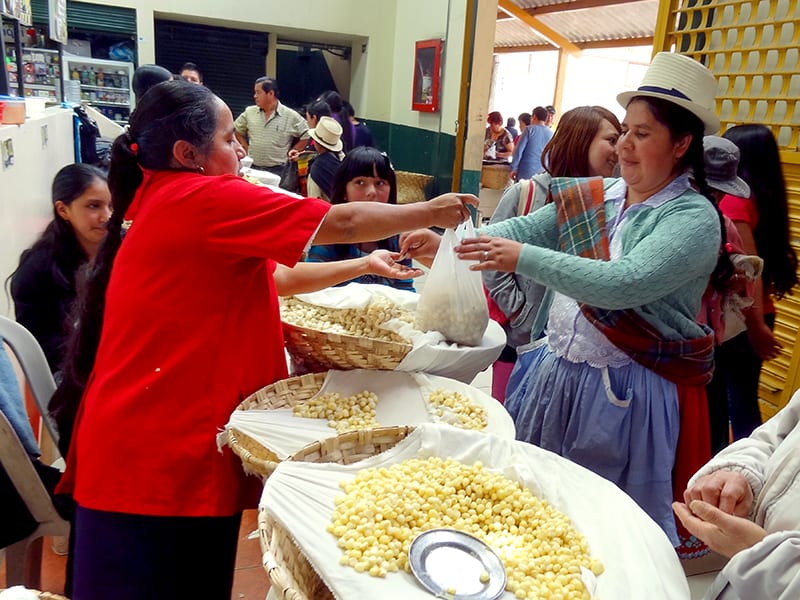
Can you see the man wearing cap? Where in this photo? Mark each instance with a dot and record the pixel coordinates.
(327, 136)
(551, 115)
(268, 130)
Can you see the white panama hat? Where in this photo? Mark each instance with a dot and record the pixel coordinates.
(682, 81)
(327, 133)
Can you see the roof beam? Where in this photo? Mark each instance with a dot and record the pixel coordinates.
(568, 6)
(621, 43)
(552, 36)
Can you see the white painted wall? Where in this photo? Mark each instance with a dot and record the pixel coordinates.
(382, 34)
(25, 204)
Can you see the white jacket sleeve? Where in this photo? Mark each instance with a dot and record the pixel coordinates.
(770, 570)
(751, 455)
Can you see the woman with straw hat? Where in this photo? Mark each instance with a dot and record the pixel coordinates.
(327, 136)
(624, 365)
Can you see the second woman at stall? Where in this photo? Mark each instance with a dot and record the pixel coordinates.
(623, 368)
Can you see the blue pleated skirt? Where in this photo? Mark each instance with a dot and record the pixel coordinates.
(623, 426)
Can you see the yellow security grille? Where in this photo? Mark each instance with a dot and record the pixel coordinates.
(752, 49)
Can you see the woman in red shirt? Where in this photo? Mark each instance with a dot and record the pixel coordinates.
(179, 322)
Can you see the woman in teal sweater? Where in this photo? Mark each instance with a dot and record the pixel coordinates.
(624, 362)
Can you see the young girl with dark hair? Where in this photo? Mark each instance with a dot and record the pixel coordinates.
(365, 175)
(43, 285)
(762, 221)
(179, 322)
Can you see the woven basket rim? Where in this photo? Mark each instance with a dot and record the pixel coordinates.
(264, 466)
(279, 574)
(345, 337)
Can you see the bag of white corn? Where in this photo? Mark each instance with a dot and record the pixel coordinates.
(452, 301)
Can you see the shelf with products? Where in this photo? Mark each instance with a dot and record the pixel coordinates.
(103, 84)
(41, 72)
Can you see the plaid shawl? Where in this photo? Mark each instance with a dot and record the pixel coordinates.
(582, 232)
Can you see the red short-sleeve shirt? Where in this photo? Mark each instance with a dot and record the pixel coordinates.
(191, 327)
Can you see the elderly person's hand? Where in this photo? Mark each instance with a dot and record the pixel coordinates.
(384, 264)
(293, 155)
(492, 253)
(726, 490)
(722, 532)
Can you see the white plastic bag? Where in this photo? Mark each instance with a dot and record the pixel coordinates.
(452, 301)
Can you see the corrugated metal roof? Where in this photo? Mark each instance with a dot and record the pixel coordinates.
(585, 23)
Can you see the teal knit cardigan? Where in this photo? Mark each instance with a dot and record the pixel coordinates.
(669, 252)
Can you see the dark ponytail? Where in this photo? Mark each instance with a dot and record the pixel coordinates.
(170, 111)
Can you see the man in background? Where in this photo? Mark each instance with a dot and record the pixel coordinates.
(527, 159)
(269, 129)
(551, 115)
(191, 73)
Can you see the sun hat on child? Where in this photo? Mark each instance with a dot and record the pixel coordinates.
(683, 81)
(327, 133)
(721, 159)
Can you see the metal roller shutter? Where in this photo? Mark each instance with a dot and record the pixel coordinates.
(91, 17)
(231, 59)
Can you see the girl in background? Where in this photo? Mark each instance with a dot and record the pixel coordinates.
(583, 145)
(43, 286)
(365, 175)
(762, 221)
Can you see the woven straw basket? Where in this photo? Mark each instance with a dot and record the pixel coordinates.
(321, 351)
(289, 571)
(281, 394)
(496, 177)
(411, 187)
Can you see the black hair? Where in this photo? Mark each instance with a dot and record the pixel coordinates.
(339, 112)
(511, 122)
(682, 122)
(268, 84)
(525, 118)
(363, 161)
(540, 113)
(170, 111)
(190, 66)
(760, 167)
(351, 112)
(58, 241)
(319, 108)
(146, 76)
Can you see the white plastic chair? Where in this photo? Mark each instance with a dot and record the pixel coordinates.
(24, 558)
(34, 365)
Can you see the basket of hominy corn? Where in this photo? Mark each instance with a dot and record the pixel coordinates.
(344, 338)
(343, 529)
(280, 419)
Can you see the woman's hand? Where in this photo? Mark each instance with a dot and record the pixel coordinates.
(763, 341)
(726, 490)
(293, 155)
(385, 264)
(422, 244)
(450, 210)
(723, 533)
(492, 253)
